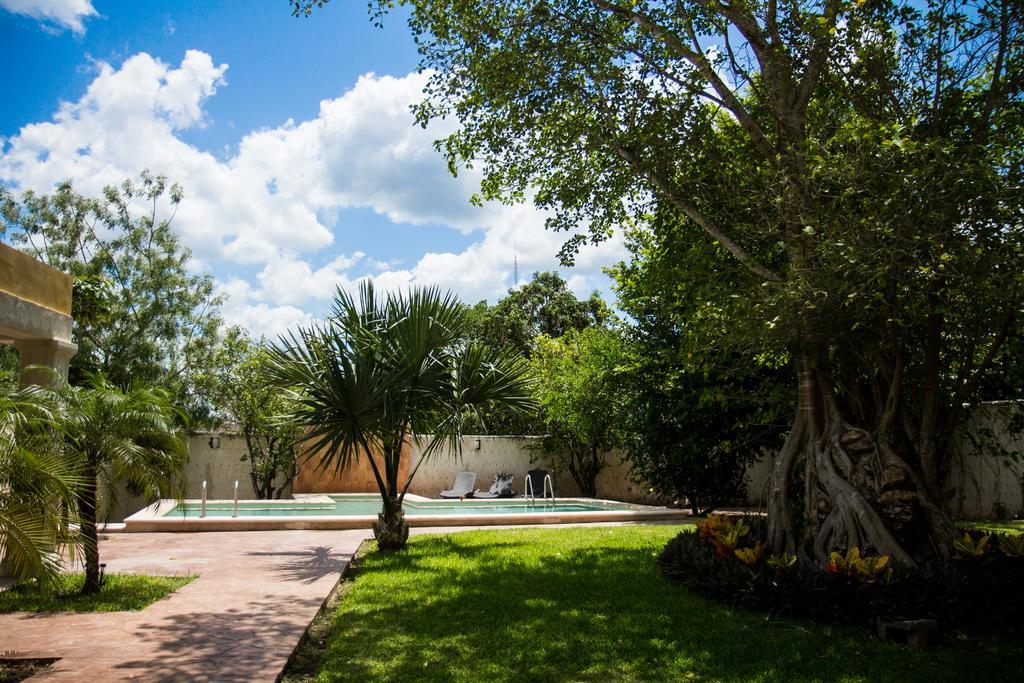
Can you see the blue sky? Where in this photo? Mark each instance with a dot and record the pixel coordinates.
(301, 165)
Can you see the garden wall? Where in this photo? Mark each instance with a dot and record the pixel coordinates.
(987, 472)
(485, 455)
(986, 481)
(219, 466)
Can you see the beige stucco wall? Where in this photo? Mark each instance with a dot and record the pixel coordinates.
(983, 481)
(31, 280)
(514, 454)
(219, 467)
(313, 477)
(495, 454)
(987, 472)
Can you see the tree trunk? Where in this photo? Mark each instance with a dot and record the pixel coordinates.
(584, 465)
(90, 537)
(258, 456)
(854, 489)
(391, 529)
(289, 476)
(694, 505)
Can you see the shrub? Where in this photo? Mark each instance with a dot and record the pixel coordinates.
(725, 559)
(693, 434)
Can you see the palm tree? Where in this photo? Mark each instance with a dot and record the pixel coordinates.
(126, 435)
(384, 371)
(37, 487)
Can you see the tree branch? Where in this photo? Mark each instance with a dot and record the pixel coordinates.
(700, 61)
(970, 385)
(816, 61)
(997, 71)
(695, 215)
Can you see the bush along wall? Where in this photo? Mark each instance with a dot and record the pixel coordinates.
(978, 589)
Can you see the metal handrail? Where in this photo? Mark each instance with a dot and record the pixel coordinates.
(528, 489)
(548, 481)
(235, 513)
(202, 505)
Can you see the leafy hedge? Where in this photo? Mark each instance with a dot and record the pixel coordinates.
(980, 589)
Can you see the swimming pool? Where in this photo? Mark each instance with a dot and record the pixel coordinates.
(359, 511)
(342, 505)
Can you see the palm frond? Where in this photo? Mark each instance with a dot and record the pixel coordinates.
(38, 485)
(383, 368)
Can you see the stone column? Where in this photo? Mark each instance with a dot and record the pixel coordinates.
(53, 353)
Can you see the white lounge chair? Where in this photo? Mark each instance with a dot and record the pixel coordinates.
(501, 488)
(463, 487)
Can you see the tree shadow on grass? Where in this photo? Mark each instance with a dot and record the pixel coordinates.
(497, 607)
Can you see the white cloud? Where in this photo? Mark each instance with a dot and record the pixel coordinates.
(261, 319)
(59, 14)
(272, 202)
(129, 119)
(363, 150)
(288, 280)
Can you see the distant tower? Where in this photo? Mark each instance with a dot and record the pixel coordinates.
(515, 269)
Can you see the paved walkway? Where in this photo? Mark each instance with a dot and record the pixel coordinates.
(240, 620)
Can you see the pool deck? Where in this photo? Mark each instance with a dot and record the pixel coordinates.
(238, 621)
(154, 517)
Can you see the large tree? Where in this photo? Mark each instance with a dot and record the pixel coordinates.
(859, 161)
(140, 313)
(247, 401)
(544, 305)
(702, 407)
(582, 394)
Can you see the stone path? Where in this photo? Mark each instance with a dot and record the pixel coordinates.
(240, 620)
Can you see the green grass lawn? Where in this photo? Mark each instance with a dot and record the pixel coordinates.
(120, 593)
(588, 604)
(1013, 526)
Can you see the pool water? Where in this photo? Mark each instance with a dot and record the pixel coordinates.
(351, 506)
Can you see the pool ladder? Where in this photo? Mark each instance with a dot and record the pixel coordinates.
(202, 505)
(549, 485)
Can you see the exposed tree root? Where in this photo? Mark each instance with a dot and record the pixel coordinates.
(857, 491)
